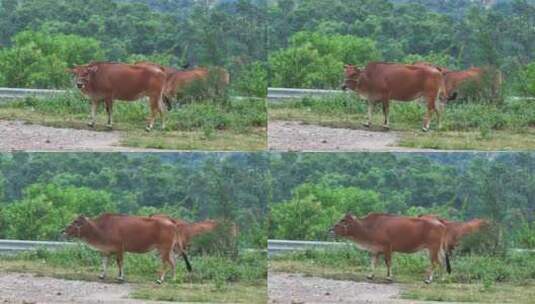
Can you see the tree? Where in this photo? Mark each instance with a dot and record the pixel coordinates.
(38, 59)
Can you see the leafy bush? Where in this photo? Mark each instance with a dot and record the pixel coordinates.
(251, 80)
(315, 208)
(316, 60)
(47, 209)
(40, 59)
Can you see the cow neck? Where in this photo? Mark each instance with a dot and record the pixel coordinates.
(359, 232)
(92, 233)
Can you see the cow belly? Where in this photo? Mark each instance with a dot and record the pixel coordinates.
(368, 247)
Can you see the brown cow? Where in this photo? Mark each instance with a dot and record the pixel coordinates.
(458, 230)
(455, 80)
(178, 81)
(109, 81)
(384, 234)
(117, 234)
(382, 82)
(479, 77)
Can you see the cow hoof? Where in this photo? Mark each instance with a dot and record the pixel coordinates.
(370, 277)
(390, 279)
(425, 130)
(109, 126)
(366, 125)
(147, 129)
(427, 281)
(102, 277)
(91, 124)
(159, 282)
(386, 128)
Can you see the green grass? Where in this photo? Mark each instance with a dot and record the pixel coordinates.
(214, 278)
(237, 125)
(509, 279)
(464, 126)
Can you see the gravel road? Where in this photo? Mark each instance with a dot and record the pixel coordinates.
(295, 136)
(22, 288)
(17, 135)
(296, 289)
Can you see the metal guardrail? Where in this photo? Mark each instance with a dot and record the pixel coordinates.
(15, 246)
(282, 94)
(285, 94)
(285, 246)
(282, 246)
(14, 93)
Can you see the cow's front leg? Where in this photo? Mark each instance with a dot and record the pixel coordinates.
(375, 257)
(102, 275)
(371, 105)
(94, 107)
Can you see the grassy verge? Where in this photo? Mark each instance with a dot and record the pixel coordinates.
(464, 126)
(238, 125)
(214, 279)
(509, 279)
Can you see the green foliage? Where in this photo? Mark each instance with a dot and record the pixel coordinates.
(317, 60)
(251, 80)
(438, 59)
(47, 209)
(45, 192)
(219, 269)
(311, 192)
(40, 59)
(527, 83)
(313, 209)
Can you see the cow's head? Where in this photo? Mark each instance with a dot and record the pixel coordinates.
(77, 227)
(83, 74)
(351, 77)
(343, 227)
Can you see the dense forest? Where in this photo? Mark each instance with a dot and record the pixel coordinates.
(290, 43)
(313, 38)
(311, 192)
(41, 193)
(41, 38)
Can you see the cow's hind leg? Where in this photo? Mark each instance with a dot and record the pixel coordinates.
(154, 108)
(374, 258)
(386, 106)
(388, 262)
(429, 114)
(119, 258)
(109, 110)
(435, 261)
(168, 260)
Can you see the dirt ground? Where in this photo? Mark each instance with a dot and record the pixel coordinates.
(294, 288)
(29, 289)
(17, 135)
(295, 136)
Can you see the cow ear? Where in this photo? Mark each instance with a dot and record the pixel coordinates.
(93, 69)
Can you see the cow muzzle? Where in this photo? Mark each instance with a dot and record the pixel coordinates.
(344, 88)
(80, 85)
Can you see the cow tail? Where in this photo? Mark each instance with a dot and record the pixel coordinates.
(445, 253)
(448, 266)
(441, 92)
